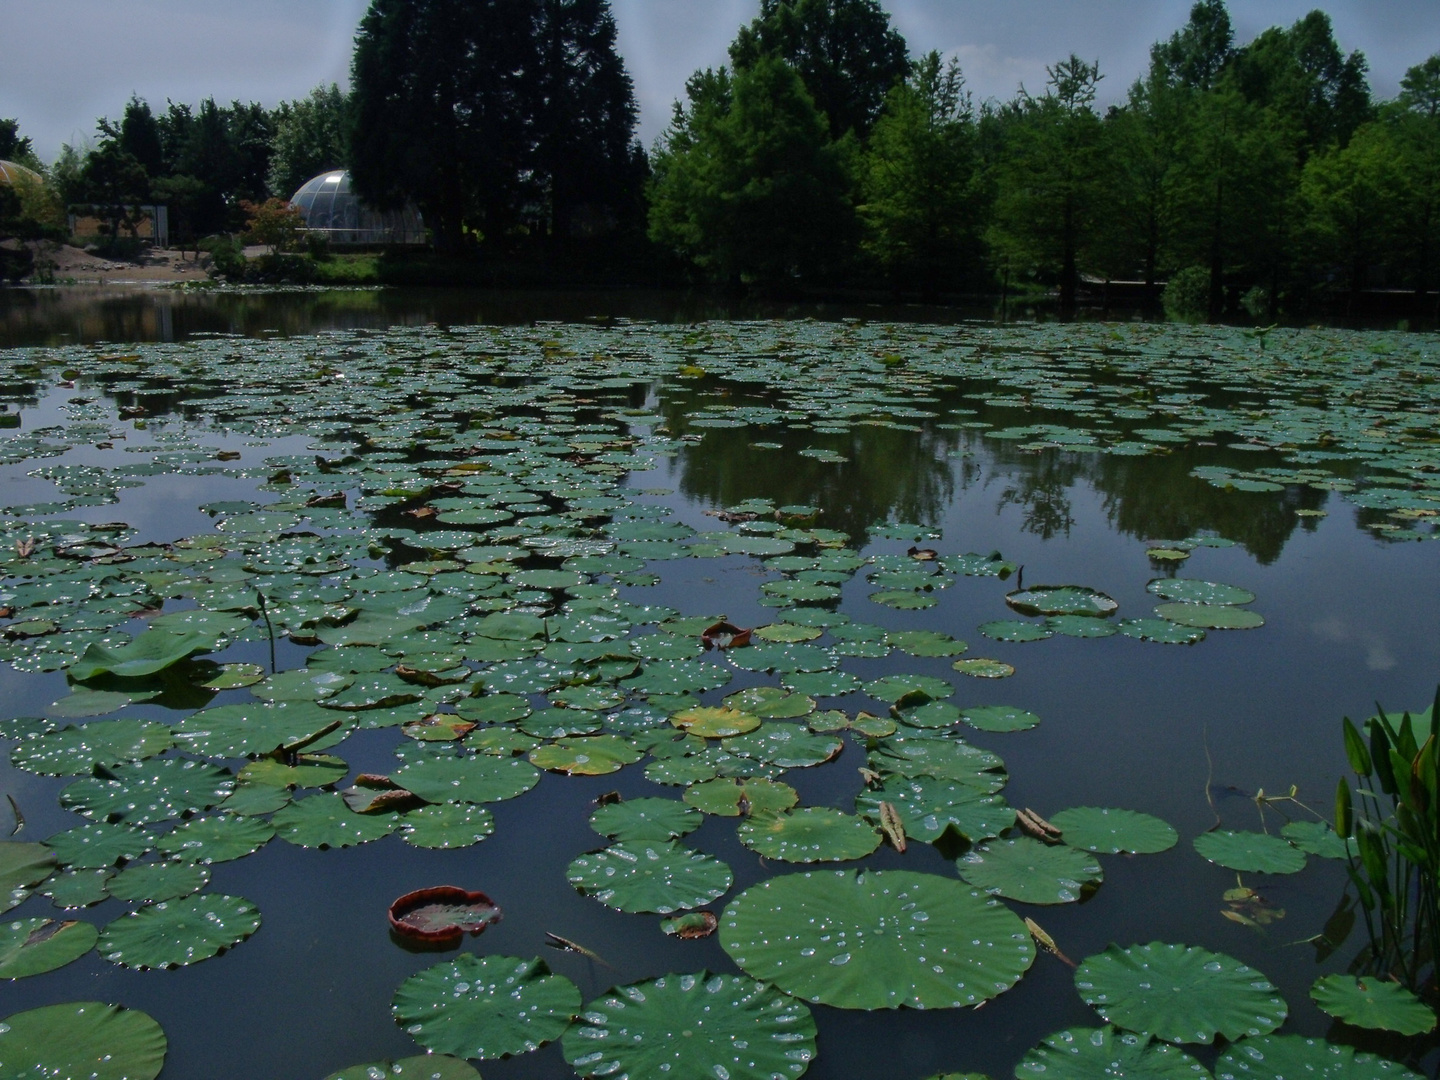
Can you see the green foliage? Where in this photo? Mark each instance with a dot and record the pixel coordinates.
(311, 137)
(1391, 825)
(1187, 294)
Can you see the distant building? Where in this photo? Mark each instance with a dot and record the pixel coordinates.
(87, 224)
(331, 209)
(16, 176)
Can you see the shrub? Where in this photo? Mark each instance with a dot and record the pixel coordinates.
(1187, 295)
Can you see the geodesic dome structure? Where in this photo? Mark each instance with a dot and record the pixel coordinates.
(331, 209)
(13, 174)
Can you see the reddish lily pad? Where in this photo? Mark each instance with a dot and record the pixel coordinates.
(442, 914)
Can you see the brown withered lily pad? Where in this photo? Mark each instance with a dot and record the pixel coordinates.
(439, 727)
(373, 794)
(692, 924)
(724, 635)
(442, 913)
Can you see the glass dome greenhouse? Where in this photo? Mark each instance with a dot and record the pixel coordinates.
(333, 210)
(12, 174)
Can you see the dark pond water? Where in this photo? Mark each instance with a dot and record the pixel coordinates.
(1071, 451)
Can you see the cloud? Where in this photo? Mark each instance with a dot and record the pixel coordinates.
(1378, 656)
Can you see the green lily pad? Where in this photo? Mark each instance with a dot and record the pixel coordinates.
(82, 1039)
(494, 708)
(876, 940)
(1179, 993)
(917, 710)
(84, 702)
(594, 755)
(1192, 591)
(783, 658)
(771, 703)
(821, 683)
(254, 728)
(176, 933)
(1280, 1057)
(1080, 626)
(1372, 1003)
(234, 676)
(151, 882)
(925, 643)
(95, 845)
(154, 650)
(788, 632)
(1162, 631)
(943, 758)
(928, 807)
(788, 746)
(1062, 600)
(904, 599)
(1250, 851)
(78, 888)
(420, 1067)
(251, 798)
(727, 797)
(485, 1006)
(218, 839)
(35, 946)
(999, 718)
(22, 866)
(807, 835)
(1015, 631)
(646, 819)
(1085, 1053)
(1211, 616)
(308, 770)
(145, 792)
(894, 687)
(711, 722)
(979, 667)
(640, 876)
(448, 825)
(479, 778)
(324, 821)
(698, 1025)
(1028, 870)
(73, 751)
(1110, 831)
(1314, 838)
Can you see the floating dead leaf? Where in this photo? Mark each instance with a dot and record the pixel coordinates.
(1046, 942)
(892, 826)
(690, 925)
(555, 941)
(724, 635)
(1032, 823)
(923, 554)
(439, 727)
(375, 794)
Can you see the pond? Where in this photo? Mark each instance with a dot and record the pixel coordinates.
(474, 564)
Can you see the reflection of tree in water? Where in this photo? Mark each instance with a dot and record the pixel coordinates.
(891, 474)
(1040, 490)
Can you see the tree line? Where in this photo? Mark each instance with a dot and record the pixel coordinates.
(824, 155)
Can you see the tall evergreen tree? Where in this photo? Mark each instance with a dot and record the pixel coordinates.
(310, 138)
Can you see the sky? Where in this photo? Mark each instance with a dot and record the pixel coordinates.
(68, 62)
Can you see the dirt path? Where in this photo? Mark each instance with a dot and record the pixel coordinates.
(72, 265)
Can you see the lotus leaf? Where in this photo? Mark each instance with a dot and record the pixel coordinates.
(373, 627)
(698, 1025)
(1062, 600)
(251, 798)
(485, 1006)
(771, 703)
(904, 600)
(35, 946)
(474, 779)
(917, 710)
(151, 882)
(728, 797)
(592, 756)
(1250, 851)
(254, 728)
(1192, 591)
(646, 819)
(1280, 1057)
(78, 888)
(894, 687)
(494, 708)
(1028, 870)
(154, 650)
(420, 1067)
(640, 876)
(84, 702)
(82, 1039)
(176, 933)
(1160, 630)
(218, 839)
(1210, 616)
(145, 792)
(234, 676)
(1372, 1003)
(1084, 1053)
(98, 844)
(378, 691)
(324, 821)
(788, 633)
(1015, 631)
(448, 825)
(783, 658)
(1179, 993)
(1314, 838)
(926, 643)
(982, 668)
(929, 807)
(821, 683)
(73, 751)
(712, 722)
(680, 677)
(787, 745)
(999, 718)
(811, 834)
(876, 940)
(943, 758)
(1110, 831)
(1080, 626)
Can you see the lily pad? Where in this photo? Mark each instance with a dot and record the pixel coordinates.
(999, 718)
(82, 1039)
(35, 946)
(925, 643)
(74, 751)
(1062, 600)
(771, 703)
(1160, 630)
(929, 807)
(698, 1025)
(154, 650)
(218, 839)
(176, 933)
(1193, 591)
(807, 835)
(876, 940)
(1085, 1053)
(1015, 631)
(478, 778)
(788, 746)
(1026, 869)
(639, 876)
(145, 792)
(646, 819)
(1080, 626)
(594, 755)
(254, 728)
(22, 866)
(1179, 993)
(485, 1006)
(448, 825)
(894, 687)
(1110, 831)
(152, 882)
(1211, 616)
(735, 797)
(420, 1067)
(1280, 1057)
(980, 667)
(1372, 1003)
(324, 821)
(713, 722)
(1314, 838)
(1250, 851)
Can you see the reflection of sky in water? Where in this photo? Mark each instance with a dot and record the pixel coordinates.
(1124, 723)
